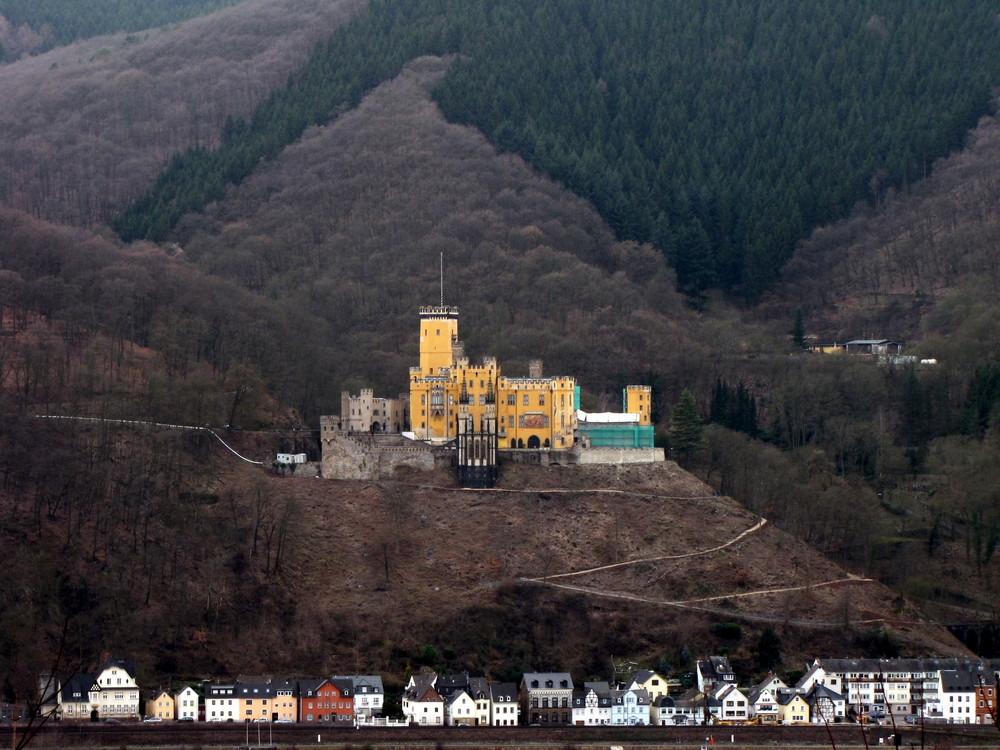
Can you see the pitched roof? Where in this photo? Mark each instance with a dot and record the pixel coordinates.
(127, 665)
(822, 691)
(76, 688)
(371, 681)
(547, 680)
(954, 681)
(479, 688)
(503, 691)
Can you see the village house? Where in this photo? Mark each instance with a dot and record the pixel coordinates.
(327, 700)
(592, 705)
(986, 708)
(546, 697)
(161, 706)
(825, 705)
(504, 709)
(221, 703)
(186, 704)
(792, 706)
(958, 697)
(735, 705)
(254, 701)
(369, 695)
(712, 671)
(763, 700)
(652, 682)
(630, 707)
(421, 703)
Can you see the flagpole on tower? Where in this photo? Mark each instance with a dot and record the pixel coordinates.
(442, 279)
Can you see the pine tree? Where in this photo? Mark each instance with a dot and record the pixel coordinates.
(685, 426)
(799, 329)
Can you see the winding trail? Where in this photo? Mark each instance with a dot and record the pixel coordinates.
(700, 606)
(756, 527)
(166, 425)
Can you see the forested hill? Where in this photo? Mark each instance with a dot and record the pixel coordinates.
(721, 133)
(32, 26)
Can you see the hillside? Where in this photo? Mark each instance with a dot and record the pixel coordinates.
(214, 566)
(87, 126)
(305, 279)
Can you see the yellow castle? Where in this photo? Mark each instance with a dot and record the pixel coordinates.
(531, 412)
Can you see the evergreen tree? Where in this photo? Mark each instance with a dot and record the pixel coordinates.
(685, 426)
(769, 649)
(799, 329)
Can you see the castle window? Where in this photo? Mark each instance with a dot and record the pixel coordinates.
(541, 399)
(525, 399)
(510, 421)
(482, 399)
(511, 399)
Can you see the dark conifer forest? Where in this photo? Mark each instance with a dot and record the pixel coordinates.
(720, 133)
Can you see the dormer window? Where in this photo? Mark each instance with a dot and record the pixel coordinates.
(534, 683)
(548, 683)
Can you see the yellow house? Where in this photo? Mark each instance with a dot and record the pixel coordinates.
(652, 682)
(162, 706)
(792, 708)
(531, 412)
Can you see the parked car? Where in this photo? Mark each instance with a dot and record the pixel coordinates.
(910, 719)
(186, 718)
(152, 720)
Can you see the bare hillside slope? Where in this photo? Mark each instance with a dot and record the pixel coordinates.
(85, 128)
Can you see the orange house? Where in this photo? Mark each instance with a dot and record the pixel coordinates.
(986, 707)
(328, 701)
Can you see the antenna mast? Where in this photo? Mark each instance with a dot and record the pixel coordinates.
(442, 279)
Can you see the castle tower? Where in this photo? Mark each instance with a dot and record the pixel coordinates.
(638, 399)
(438, 335)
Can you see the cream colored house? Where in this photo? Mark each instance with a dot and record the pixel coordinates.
(115, 692)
